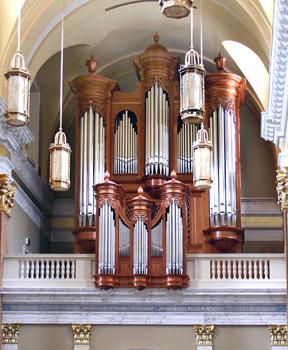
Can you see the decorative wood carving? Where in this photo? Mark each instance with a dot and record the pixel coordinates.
(156, 65)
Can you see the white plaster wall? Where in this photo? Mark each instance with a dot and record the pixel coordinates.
(21, 226)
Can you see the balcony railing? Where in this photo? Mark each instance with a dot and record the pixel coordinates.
(206, 271)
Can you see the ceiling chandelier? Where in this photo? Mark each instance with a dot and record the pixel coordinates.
(17, 86)
(176, 8)
(60, 151)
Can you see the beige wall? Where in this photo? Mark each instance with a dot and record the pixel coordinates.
(45, 338)
(152, 337)
(257, 163)
(21, 226)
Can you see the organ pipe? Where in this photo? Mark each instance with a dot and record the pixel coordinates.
(156, 239)
(140, 248)
(174, 196)
(106, 262)
(157, 132)
(125, 144)
(186, 135)
(174, 240)
(92, 164)
(222, 196)
(124, 239)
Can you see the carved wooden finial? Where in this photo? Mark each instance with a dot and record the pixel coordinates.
(173, 174)
(220, 62)
(140, 190)
(156, 37)
(107, 175)
(91, 65)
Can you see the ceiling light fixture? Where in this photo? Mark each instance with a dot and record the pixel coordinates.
(17, 86)
(176, 8)
(60, 151)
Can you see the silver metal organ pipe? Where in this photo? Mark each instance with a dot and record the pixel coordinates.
(90, 167)
(85, 169)
(81, 201)
(223, 191)
(157, 149)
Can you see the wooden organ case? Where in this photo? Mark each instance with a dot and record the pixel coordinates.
(135, 204)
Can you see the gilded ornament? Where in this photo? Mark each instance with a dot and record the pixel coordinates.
(282, 187)
(278, 335)
(204, 334)
(81, 333)
(10, 333)
(7, 193)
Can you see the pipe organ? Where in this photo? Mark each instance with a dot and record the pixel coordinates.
(131, 209)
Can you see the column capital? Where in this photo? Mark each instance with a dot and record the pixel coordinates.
(7, 193)
(282, 187)
(81, 333)
(10, 333)
(278, 335)
(204, 334)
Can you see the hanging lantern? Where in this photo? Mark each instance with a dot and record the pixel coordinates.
(18, 92)
(59, 177)
(192, 93)
(176, 8)
(202, 160)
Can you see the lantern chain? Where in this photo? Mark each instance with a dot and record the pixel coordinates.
(201, 33)
(61, 66)
(19, 26)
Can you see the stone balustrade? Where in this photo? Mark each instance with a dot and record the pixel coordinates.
(206, 271)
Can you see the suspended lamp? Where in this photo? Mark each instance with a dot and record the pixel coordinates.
(176, 8)
(202, 160)
(192, 82)
(17, 87)
(60, 151)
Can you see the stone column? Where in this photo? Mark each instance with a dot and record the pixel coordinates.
(7, 194)
(282, 191)
(10, 334)
(81, 334)
(204, 337)
(279, 340)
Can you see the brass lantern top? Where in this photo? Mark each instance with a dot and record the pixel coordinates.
(202, 139)
(192, 62)
(17, 66)
(176, 8)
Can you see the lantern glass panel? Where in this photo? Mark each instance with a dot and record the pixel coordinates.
(202, 167)
(18, 86)
(59, 167)
(192, 95)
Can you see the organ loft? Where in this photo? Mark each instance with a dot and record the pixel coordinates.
(136, 206)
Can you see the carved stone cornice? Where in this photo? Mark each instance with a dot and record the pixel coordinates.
(156, 65)
(204, 334)
(274, 121)
(278, 335)
(93, 91)
(81, 333)
(7, 194)
(10, 333)
(224, 89)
